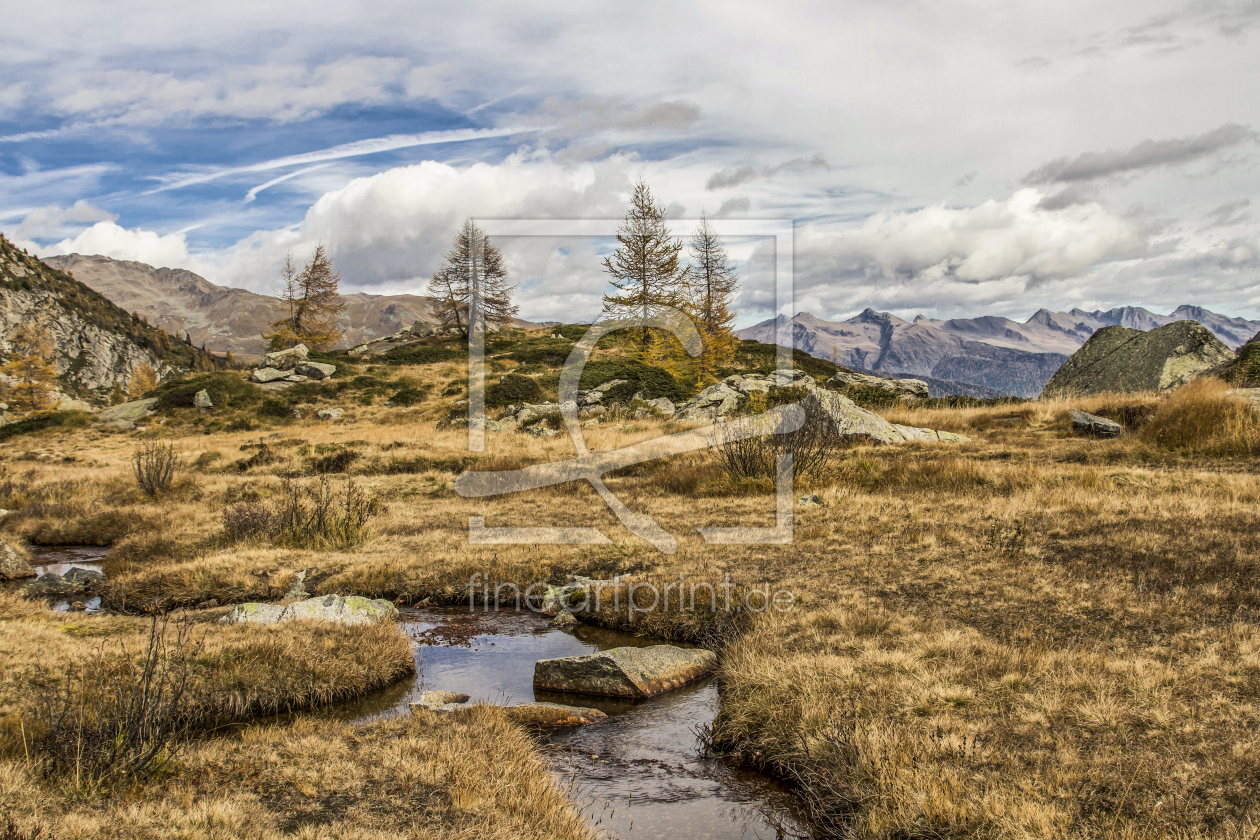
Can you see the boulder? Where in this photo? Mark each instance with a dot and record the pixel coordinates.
(486, 424)
(315, 370)
(268, 374)
(1127, 360)
(330, 413)
(84, 576)
(131, 411)
(13, 563)
(855, 423)
(295, 378)
(663, 406)
(909, 388)
(71, 404)
(1092, 424)
(286, 359)
(596, 395)
(812, 500)
(721, 399)
(351, 609)
(553, 714)
(53, 584)
(624, 672)
(202, 399)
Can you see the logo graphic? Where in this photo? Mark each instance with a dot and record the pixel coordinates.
(592, 466)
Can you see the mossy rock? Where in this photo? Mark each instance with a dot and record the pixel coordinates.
(1120, 359)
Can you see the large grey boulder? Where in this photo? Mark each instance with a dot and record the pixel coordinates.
(855, 423)
(624, 672)
(1092, 424)
(268, 374)
(130, 411)
(663, 406)
(202, 399)
(909, 388)
(330, 413)
(286, 359)
(595, 395)
(1125, 360)
(13, 563)
(351, 609)
(315, 370)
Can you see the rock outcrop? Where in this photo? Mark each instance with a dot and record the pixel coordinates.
(907, 388)
(1092, 424)
(351, 609)
(624, 672)
(1127, 360)
(855, 423)
(96, 345)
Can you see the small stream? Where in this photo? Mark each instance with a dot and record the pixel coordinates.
(640, 774)
(59, 559)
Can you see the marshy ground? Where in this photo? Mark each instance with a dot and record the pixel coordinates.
(1033, 634)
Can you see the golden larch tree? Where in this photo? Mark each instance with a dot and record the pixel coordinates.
(311, 305)
(30, 368)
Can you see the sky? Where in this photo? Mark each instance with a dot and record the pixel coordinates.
(949, 159)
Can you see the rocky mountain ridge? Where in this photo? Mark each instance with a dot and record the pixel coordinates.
(989, 351)
(97, 345)
(224, 318)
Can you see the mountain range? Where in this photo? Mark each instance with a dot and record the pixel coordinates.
(989, 351)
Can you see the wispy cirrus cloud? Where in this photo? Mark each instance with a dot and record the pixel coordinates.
(358, 148)
(1149, 154)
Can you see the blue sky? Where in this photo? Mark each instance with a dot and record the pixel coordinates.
(945, 159)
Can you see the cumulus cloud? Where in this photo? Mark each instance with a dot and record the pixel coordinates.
(1149, 154)
(54, 221)
(111, 240)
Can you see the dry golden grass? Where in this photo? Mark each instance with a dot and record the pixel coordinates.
(1031, 635)
(455, 778)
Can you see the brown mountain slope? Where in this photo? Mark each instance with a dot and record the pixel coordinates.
(223, 318)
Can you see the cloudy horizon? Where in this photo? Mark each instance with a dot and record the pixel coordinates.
(953, 160)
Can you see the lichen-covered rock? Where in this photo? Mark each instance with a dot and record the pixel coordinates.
(910, 388)
(13, 563)
(268, 374)
(132, 411)
(315, 370)
(202, 399)
(351, 609)
(442, 702)
(624, 672)
(330, 413)
(853, 422)
(286, 359)
(553, 714)
(721, 399)
(1092, 424)
(1127, 360)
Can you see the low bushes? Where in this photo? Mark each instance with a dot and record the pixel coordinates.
(513, 389)
(226, 390)
(305, 517)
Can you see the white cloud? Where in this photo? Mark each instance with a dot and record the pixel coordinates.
(146, 246)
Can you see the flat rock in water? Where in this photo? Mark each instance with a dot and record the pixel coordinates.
(442, 702)
(351, 609)
(13, 565)
(52, 584)
(554, 714)
(1092, 424)
(625, 672)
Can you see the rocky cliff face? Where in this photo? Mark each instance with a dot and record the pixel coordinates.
(1128, 360)
(97, 345)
